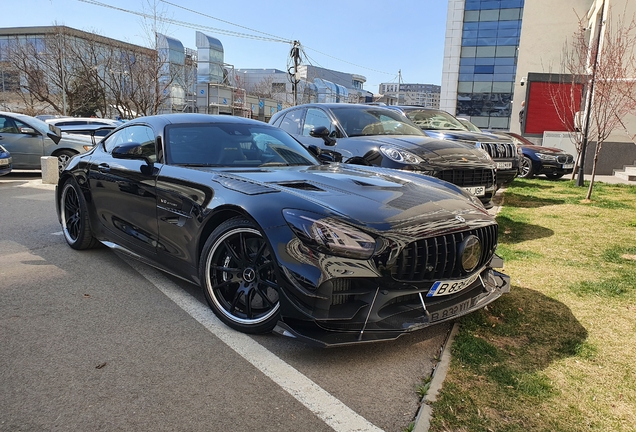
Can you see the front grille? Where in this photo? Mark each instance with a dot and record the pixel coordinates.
(499, 150)
(469, 177)
(563, 159)
(438, 258)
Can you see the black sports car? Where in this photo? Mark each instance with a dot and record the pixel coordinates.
(330, 253)
(379, 136)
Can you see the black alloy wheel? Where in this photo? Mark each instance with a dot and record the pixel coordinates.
(75, 225)
(238, 274)
(526, 170)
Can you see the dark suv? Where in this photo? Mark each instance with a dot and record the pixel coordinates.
(375, 135)
(440, 124)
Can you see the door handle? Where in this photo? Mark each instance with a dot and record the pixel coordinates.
(103, 167)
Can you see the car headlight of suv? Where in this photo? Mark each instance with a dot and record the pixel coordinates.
(546, 157)
(400, 156)
(330, 235)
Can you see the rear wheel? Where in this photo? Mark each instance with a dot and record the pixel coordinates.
(74, 215)
(526, 170)
(237, 271)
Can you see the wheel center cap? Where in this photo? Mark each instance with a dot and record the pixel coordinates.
(249, 275)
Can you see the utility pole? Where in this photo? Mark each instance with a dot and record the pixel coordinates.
(293, 70)
(399, 84)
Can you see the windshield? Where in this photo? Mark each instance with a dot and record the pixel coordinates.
(374, 121)
(434, 120)
(233, 145)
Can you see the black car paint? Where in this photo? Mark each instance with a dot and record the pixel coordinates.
(162, 215)
(447, 160)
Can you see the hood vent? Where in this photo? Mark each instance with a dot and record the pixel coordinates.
(302, 186)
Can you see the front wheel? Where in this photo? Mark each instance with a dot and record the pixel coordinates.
(526, 170)
(238, 275)
(74, 215)
(63, 158)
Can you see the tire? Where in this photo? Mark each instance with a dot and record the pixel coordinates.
(238, 276)
(74, 216)
(554, 175)
(526, 170)
(63, 158)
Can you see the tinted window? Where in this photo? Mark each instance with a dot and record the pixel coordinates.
(7, 125)
(316, 117)
(233, 145)
(137, 134)
(374, 121)
(291, 122)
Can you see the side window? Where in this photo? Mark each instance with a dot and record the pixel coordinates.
(317, 117)
(7, 125)
(291, 122)
(137, 134)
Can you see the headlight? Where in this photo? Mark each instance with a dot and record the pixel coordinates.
(330, 235)
(401, 156)
(546, 157)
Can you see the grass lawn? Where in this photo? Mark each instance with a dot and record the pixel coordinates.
(559, 352)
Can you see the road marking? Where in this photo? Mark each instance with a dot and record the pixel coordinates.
(329, 409)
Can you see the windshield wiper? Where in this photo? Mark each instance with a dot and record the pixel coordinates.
(270, 164)
(198, 165)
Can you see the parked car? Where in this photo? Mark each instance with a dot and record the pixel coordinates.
(28, 139)
(96, 130)
(378, 136)
(442, 125)
(5, 161)
(334, 254)
(62, 122)
(552, 162)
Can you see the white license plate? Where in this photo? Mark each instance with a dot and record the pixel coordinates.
(442, 288)
(567, 166)
(451, 311)
(504, 165)
(476, 190)
(4, 161)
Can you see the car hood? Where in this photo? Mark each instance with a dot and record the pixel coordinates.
(542, 149)
(435, 151)
(372, 197)
(465, 136)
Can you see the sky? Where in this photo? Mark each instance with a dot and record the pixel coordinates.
(373, 38)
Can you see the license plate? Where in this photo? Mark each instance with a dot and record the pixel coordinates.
(567, 166)
(442, 288)
(504, 165)
(451, 311)
(476, 190)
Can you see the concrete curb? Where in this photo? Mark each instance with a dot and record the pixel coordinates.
(423, 419)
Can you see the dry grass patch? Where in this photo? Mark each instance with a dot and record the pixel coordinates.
(557, 353)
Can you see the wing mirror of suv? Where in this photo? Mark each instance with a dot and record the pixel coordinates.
(134, 151)
(323, 132)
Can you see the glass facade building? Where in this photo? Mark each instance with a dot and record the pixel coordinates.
(482, 73)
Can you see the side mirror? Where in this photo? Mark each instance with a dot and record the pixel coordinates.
(133, 151)
(28, 131)
(322, 132)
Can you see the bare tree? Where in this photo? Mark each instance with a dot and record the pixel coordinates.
(604, 66)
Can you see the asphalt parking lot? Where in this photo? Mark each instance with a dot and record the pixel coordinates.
(90, 341)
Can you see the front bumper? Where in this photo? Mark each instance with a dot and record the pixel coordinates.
(390, 313)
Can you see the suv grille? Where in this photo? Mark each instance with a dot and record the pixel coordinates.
(469, 177)
(499, 150)
(438, 257)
